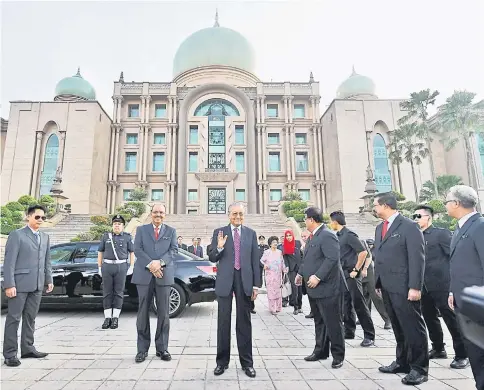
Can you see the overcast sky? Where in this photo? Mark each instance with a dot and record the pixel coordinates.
(404, 46)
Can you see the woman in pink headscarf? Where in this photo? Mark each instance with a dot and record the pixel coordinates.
(274, 268)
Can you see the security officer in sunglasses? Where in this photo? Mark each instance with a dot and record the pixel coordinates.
(436, 289)
(115, 261)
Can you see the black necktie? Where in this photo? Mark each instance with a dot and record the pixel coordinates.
(454, 236)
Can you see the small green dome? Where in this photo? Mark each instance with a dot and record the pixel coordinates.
(356, 85)
(74, 87)
(214, 46)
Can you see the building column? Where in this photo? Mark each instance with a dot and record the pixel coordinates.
(258, 110)
(292, 152)
(175, 100)
(290, 107)
(168, 109)
(318, 195)
(141, 152)
(115, 108)
(168, 152)
(111, 153)
(320, 148)
(147, 106)
(39, 135)
(316, 153)
(115, 170)
(142, 109)
(120, 103)
(108, 198)
(173, 147)
(288, 157)
(263, 109)
(286, 111)
(62, 146)
(147, 131)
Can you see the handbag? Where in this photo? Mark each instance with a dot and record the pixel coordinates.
(286, 288)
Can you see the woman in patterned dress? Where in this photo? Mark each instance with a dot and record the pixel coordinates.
(274, 269)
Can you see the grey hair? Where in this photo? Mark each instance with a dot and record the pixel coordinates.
(235, 204)
(465, 195)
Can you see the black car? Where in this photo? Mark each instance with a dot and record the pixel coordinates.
(77, 280)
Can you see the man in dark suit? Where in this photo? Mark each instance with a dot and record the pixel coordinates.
(322, 273)
(155, 247)
(466, 260)
(26, 271)
(436, 289)
(195, 248)
(234, 248)
(292, 254)
(181, 244)
(399, 276)
(262, 247)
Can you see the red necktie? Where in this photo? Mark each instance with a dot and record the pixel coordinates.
(384, 229)
(157, 229)
(237, 248)
(311, 236)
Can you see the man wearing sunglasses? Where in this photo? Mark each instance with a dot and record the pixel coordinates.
(436, 289)
(27, 270)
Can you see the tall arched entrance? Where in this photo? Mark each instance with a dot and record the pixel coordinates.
(383, 178)
(49, 166)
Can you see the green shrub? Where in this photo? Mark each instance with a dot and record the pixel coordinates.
(299, 217)
(87, 236)
(138, 194)
(407, 206)
(100, 220)
(98, 230)
(6, 213)
(27, 200)
(15, 206)
(292, 196)
(437, 205)
(17, 216)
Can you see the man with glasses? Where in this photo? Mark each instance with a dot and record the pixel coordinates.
(27, 270)
(436, 289)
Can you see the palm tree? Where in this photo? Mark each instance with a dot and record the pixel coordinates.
(406, 145)
(417, 107)
(443, 183)
(459, 118)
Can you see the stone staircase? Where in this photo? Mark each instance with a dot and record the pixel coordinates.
(360, 225)
(68, 228)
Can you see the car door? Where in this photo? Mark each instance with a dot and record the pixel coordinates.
(61, 259)
(83, 278)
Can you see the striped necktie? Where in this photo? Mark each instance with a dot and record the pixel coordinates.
(237, 248)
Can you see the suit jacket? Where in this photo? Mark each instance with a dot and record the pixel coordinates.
(294, 261)
(399, 257)
(321, 258)
(198, 252)
(27, 265)
(249, 261)
(437, 252)
(183, 246)
(146, 249)
(467, 256)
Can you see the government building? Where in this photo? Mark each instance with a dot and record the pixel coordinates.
(213, 134)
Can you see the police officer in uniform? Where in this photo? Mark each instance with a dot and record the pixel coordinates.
(115, 260)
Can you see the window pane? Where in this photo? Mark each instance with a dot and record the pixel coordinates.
(61, 254)
(86, 254)
(240, 195)
(158, 162)
(131, 139)
(133, 110)
(126, 194)
(192, 195)
(160, 139)
(299, 111)
(156, 194)
(301, 139)
(239, 135)
(193, 135)
(273, 139)
(274, 162)
(305, 195)
(192, 211)
(193, 162)
(239, 162)
(130, 164)
(276, 195)
(302, 162)
(160, 110)
(272, 110)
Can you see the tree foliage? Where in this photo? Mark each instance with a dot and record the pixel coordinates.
(138, 195)
(444, 183)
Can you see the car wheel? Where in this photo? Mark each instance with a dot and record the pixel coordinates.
(178, 301)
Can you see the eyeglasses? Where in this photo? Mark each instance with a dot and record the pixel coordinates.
(418, 216)
(43, 217)
(158, 212)
(451, 200)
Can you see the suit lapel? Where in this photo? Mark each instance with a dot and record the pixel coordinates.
(31, 235)
(395, 224)
(462, 231)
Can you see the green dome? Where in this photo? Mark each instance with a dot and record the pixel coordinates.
(356, 85)
(214, 46)
(74, 87)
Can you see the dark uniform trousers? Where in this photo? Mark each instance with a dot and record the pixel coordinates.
(354, 299)
(114, 279)
(370, 294)
(295, 299)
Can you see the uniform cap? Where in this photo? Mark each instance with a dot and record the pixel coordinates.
(119, 218)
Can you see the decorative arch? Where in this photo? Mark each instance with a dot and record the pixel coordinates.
(383, 179)
(49, 165)
(216, 107)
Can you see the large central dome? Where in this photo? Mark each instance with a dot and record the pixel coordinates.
(214, 46)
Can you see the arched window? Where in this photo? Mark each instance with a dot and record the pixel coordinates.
(383, 179)
(480, 147)
(49, 167)
(216, 107)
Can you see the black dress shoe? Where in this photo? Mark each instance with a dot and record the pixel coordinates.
(459, 363)
(337, 363)
(219, 370)
(296, 312)
(34, 355)
(314, 358)
(394, 368)
(114, 323)
(437, 354)
(249, 371)
(12, 362)
(106, 323)
(387, 326)
(367, 343)
(310, 315)
(140, 357)
(414, 378)
(164, 355)
(252, 311)
(349, 336)
(358, 322)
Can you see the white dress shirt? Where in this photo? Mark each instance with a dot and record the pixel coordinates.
(392, 218)
(465, 218)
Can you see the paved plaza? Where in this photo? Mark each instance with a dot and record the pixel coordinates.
(84, 357)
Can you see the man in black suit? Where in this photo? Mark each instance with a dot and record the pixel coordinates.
(436, 289)
(399, 275)
(234, 248)
(262, 247)
(322, 273)
(195, 248)
(466, 260)
(181, 244)
(292, 254)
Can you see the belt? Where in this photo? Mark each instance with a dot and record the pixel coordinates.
(108, 261)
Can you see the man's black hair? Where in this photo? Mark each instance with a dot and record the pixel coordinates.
(35, 207)
(339, 217)
(425, 207)
(314, 213)
(387, 199)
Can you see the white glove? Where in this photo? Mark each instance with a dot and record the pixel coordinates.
(99, 272)
(130, 270)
